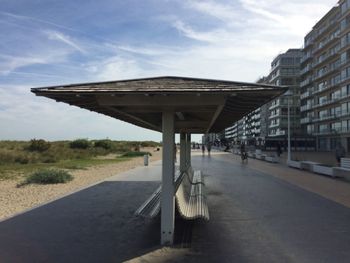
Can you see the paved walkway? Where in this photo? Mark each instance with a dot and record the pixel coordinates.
(336, 189)
(255, 217)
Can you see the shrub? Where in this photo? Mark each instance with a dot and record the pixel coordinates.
(79, 144)
(105, 144)
(38, 145)
(22, 159)
(135, 154)
(48, 176)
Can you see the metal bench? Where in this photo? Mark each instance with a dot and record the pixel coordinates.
(190, 198)
(343, 170)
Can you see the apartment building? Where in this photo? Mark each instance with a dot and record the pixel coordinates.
(325, 74)
(285, 69)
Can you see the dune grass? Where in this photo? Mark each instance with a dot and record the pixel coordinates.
(48, 176)
(18, 158)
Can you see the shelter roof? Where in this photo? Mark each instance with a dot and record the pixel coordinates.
(200, 105)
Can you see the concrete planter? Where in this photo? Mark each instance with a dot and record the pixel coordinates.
(271, 159)
(294, 164)
(341, 172)
(308, 165)
(325, 170)
(251, 155)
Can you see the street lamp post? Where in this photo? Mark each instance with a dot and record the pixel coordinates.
(288, 94)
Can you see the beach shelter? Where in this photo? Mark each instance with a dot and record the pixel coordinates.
(169, 105)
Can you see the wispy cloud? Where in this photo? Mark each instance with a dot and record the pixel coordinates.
(34, 19)
(54, 35)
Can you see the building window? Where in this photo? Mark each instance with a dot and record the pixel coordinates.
(345, 90)
(322, 144)
(323, 113)
(310, 128)
(335, 95)
(287, 61)
(322, 100)
(336, 126)
(323, 128)
(345, 73)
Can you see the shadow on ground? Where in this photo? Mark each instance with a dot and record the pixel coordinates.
(93, 225)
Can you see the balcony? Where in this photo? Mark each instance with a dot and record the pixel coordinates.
(333, 131)
(306, 107)
(325, 58)
(330, 40)
(305, 95)
(306, 69)
(309, 42)
(274, 115)
(306, 57)
(306, 82)
(274, 125)
(345, 44)
(305, 120)
(327, 102)
(325, 28)
(326, 72)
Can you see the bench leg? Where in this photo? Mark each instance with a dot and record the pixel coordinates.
(168, 187)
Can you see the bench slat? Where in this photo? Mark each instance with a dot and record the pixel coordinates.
(190, 199)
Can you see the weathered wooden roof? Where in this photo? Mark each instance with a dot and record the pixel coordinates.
(201, 105)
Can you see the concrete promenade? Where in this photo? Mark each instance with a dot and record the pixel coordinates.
(260, 212)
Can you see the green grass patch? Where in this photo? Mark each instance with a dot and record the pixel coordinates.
(19, 158)
(48, 176)
(14, 171)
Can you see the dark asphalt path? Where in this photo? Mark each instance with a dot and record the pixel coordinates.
(94, 225)
(256, 217)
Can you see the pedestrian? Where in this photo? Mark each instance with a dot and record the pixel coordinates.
(278, 149)
(203, 149)
(244, 155)
(339, 152)
(209, 148)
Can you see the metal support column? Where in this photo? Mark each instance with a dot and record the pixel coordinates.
(183, 152)
(167, 197)
(188, 150)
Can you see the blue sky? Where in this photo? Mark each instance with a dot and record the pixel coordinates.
(61, 42)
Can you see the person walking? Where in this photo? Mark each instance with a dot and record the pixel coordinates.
(278, 149)
(339, 152)
(209, 148)
(203, 149)
(244, 155)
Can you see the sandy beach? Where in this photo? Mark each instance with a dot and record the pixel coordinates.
(15, 200)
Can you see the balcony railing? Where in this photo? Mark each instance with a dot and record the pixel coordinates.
(306, 82)
(306, 57)
(306, 107)
(326, 72)
(305, 120)
(332, 131)
(274, 125)
(327, 42)
(306, 69)
(305, 95)
(323, 59)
